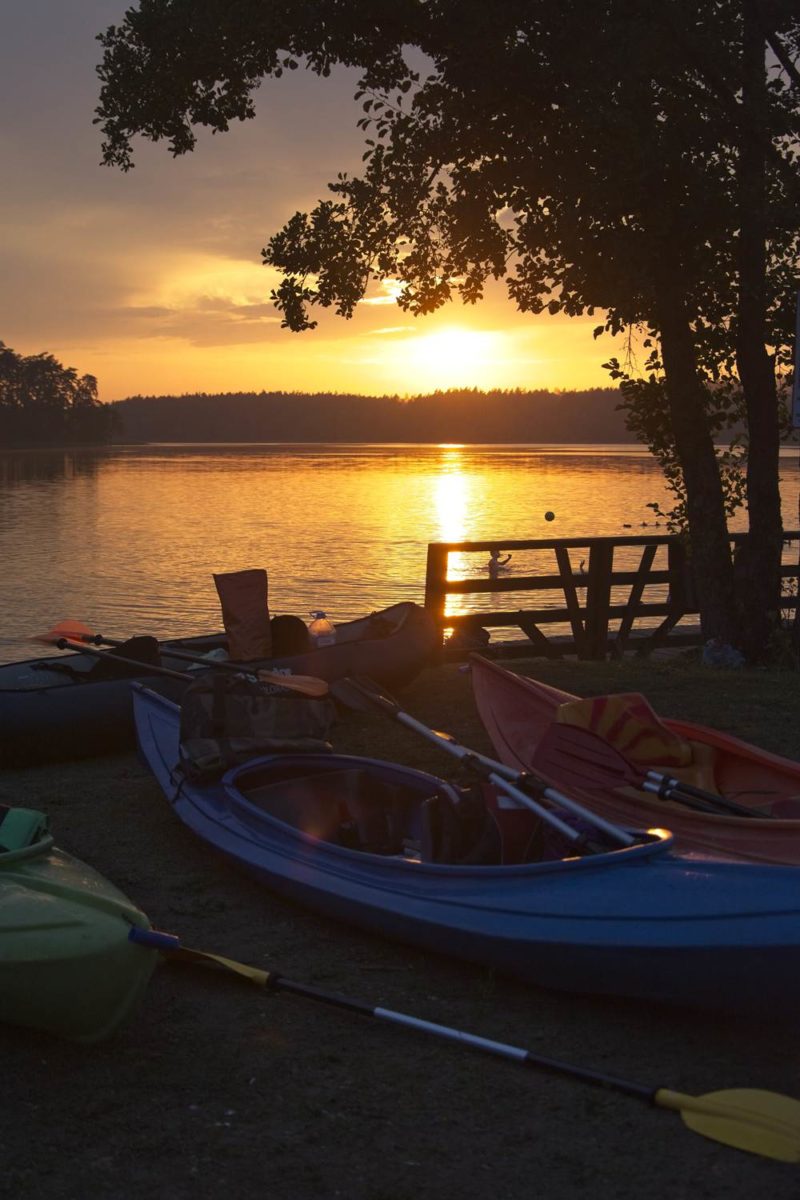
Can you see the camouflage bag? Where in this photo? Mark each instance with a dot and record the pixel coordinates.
(227, 719)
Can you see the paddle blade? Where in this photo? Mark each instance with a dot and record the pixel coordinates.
(308, 685)
(759, 1122)
(75, 630)
(576, 757)
(252, 974)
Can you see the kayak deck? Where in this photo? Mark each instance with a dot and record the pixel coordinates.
(639, 921)
(66, 964)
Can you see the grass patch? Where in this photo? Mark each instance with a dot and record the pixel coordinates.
(759, 706)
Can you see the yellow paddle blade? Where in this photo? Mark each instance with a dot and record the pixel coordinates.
(760, 1122)
(252, 974)
(65, 629)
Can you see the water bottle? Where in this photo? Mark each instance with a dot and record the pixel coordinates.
(321, 631)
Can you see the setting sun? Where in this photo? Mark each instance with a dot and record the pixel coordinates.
(450, 357)
(455, 357)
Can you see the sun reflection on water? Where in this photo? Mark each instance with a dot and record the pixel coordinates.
(451, 497)
(455, 501)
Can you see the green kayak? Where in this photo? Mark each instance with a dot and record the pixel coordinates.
(66, 964)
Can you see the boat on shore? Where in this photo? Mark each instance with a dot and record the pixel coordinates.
(70, 706)
(67, 966)
(518, 711)
(356, 840)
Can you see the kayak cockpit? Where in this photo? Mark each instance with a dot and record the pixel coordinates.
(375, 812)
(384, 809)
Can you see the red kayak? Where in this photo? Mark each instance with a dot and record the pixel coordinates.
(521, 716)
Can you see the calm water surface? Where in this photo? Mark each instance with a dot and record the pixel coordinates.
(127, 539)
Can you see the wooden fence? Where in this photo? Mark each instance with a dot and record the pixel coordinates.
(642, 600)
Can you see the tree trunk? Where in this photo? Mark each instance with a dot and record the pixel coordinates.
(757, 574)
(710, 555)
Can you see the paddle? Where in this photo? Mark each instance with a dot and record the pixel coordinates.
(60, 635)
(511, 783)
(758, 1121)
(576, 756)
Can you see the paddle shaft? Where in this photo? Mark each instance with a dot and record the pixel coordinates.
(169, 944)
(506, 778)
(662, 788)
(308, 683)
(524, 1058)
(291, 683)
(676, 789)
(761, 1122)
(145, 668)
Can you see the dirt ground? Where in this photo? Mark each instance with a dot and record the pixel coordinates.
(218, 1090)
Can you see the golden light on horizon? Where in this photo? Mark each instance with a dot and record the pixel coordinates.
(453, 357)
(200, 322)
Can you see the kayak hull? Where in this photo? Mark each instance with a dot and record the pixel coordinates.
(516, 712)
(48, 714)
(639, 922)
(66, 964)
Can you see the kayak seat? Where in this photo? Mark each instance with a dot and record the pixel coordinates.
(376, 820)
(143, 650)
(521, 831)
(463, 833)
(700, 771)
(289, 635)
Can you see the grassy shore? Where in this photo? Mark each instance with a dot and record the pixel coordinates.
(757, 705)
(216, 1090)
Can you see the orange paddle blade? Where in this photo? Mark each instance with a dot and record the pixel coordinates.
(75, 630)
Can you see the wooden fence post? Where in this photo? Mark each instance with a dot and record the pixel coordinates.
(598, 599)
(436, 582)
(571, 598)
(634, 600)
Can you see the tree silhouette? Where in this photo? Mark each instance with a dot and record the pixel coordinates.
(44, 403)
(634, 158)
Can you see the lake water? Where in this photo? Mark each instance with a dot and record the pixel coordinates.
(127, 539)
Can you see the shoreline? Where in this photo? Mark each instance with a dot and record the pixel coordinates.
(215, 1087)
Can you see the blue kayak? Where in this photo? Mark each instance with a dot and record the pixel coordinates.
(404, 855)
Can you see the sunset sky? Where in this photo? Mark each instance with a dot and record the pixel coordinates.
(153, 282)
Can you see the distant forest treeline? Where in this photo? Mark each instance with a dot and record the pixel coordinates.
(466, 415)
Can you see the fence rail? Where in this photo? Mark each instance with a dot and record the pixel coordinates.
(587, 601)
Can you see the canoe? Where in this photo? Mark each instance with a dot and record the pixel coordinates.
(60, 706)
(350, 838)
(517, 711)
(66, 964)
